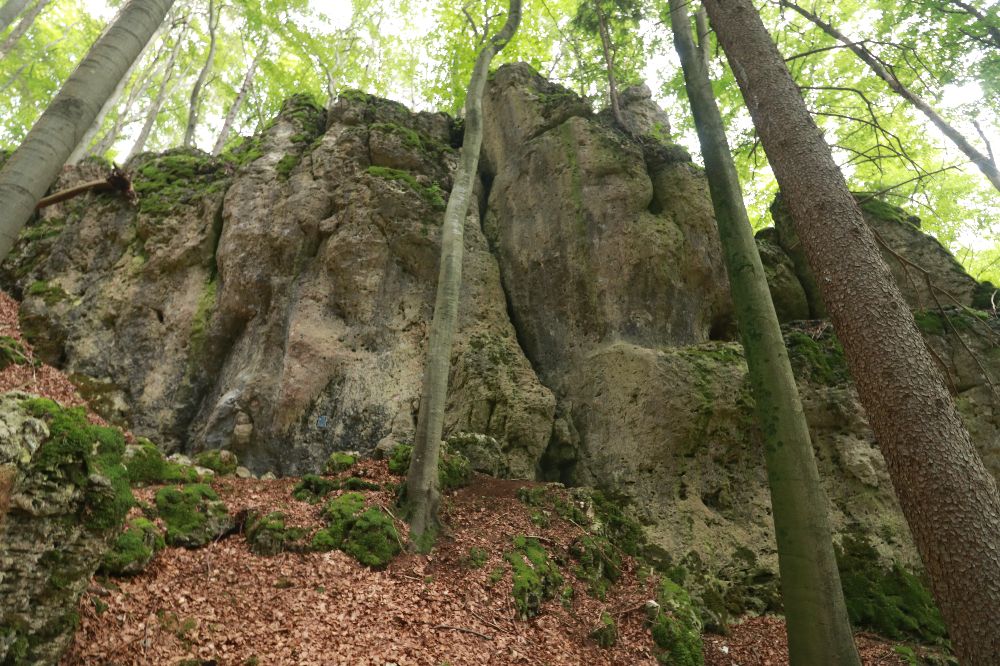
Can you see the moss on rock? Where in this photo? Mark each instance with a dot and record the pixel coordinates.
(606, 635)
(312, 488)
(220, 461)
(432, 193)
(676, 628)
(370, 536)
(819, 359)
(194, 515)
(12, 352)
(339, 462)
(146, 464)
(267, 534)
(177, 177)
(454, 470)
(134, 549)
(536, 578)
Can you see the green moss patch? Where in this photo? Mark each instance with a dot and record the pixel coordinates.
(454, 470)
(220, 461)
(267, 534)
(817, 359)
(134, 549)
(194, 515)
(536, 578)
(606, 635)
(177, 177)
(598, 563)
(12, 352)
(339, 462)
(432, 193)
(676, 628)
(88, 456)
(312, 488)
(145, 465)
(51, 294)
(368, 535)
(889, 600)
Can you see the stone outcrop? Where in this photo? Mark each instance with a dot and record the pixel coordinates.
(276, 303)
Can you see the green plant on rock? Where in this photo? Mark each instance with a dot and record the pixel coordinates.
(220, 461)
(676, 628)
(178, 177)
(432, 193)
(268, 535)
(88, 456)
(820, 360)
(454, 470)
(312, 488)
(536, 578)
(373, 539)
(339, 462)
(134, 548)
(886, 599)
(193, 514)
(146, 464)
(50, 294)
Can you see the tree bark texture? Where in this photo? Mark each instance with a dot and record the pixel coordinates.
(10, 11)
(35, 164)
(213, 23)
(609, 63)
(819, 631)
(237, 104)
(422, 491)
(986, 165)
(949, 499)
(22, 27)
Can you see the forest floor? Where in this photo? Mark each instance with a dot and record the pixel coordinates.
(222, 604)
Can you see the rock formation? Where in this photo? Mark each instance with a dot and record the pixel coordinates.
(276, 302)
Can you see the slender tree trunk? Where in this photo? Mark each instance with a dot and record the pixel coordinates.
(36, 163)
(949, 499)
(609, 63)
(977, 157)
(422, 492)
(213, 22)
(10, 11)
(166, 86)
(819, 631)
(22, 27)
(234, 110)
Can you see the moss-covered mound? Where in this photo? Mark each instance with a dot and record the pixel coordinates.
(676, 627)
(134, 549)
(177, 177)
(220, 461)
(267, 534)
(339, 462)
(312, 488)
(146, 465)
(369, 535)
(536, 577)
(12, 352)
(194, 515)
(886, 599)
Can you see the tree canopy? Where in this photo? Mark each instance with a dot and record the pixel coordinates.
(945, 51)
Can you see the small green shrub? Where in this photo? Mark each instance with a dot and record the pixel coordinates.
(476, 559)
(12, 352)
(606, 635)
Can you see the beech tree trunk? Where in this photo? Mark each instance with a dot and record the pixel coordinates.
(819, 631)
(234, 110)
(154, 109)
(35, 164)
(609, 62)
(22, 27)
(213, 23)
(422, 492)
(949, 499)
(985, 164)
(10, 11)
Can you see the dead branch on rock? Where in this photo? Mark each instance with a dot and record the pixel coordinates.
(117, 181)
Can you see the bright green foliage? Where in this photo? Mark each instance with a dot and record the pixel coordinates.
(133, 549)
(12, 352)
(676, 627)
(76, 449)
(536, 578)
(219, 461)
(187, 511)
(886, 599)
(339, 462)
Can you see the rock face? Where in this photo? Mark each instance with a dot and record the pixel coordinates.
(52, 534)
(276, 303)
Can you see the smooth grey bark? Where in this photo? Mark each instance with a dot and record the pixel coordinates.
(819, 631)
(10, 11)
(22, 27)
(166, 86)
(949, 499)
(422, 492)
(237, 104)
(213, 24)
(37, 161)
(609, 62)
(985, 164)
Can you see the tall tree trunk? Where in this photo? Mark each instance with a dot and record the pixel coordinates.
(36, 163)
(213, 23)
(422, 493)
(153, 111)
(977, 157)
(609, 62)
(949, 499)
(819, 631)
(10, 11)
(234, 110)
(22, 27)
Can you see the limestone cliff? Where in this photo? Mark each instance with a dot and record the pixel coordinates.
(276, 302)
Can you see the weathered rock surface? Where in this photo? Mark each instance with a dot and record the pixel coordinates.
(50, 541)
